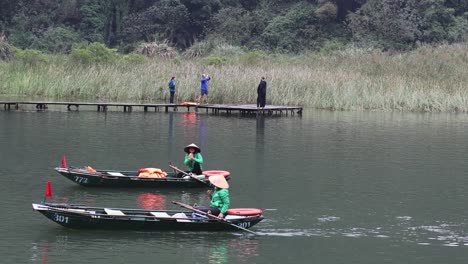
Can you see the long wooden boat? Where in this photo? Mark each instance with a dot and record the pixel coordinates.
(83, 217)
(114, 178)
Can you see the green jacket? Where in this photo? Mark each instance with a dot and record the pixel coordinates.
(220, 199)
(197, 157)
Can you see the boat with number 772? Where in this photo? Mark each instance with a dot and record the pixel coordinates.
(143, 177)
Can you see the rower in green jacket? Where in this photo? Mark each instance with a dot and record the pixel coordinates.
(219, 196)
(193, 159)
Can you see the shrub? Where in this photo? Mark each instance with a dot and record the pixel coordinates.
(30, 56)
(253, 57)
(214, 60)
(80, 55)
(94, 53)
(199, 49)
(133, 58)
(327, 12)
(153, 49)
(332, 45)
(227, 50)
(58, 40)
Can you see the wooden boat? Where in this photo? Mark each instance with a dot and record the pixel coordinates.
(83, 217)
(113, 178)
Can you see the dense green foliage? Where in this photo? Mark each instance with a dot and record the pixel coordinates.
(56, 26)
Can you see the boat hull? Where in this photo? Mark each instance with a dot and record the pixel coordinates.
(128, 179)
(138, 220)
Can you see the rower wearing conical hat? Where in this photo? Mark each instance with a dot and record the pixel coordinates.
(193, 159)
(219, 196)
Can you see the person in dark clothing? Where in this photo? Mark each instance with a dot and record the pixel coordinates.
(261, 93)
(172, 89)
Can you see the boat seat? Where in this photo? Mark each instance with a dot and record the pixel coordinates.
(160, 214)
(115, 173)
(232, 217)
(76, 210)
(113, 212)
(180, 217)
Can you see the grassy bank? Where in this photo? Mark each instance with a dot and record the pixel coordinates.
(426, 79)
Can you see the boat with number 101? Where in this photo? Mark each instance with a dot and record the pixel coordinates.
(84, 217)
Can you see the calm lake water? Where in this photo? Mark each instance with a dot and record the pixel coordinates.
(336, 187)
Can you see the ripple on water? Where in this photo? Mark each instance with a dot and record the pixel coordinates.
(443, 234)
(324, 219)
(404, 218)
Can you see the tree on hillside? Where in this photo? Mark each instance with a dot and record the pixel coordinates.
(7, 11)
(95, 20)
(135, 6)
(165, 20)
(200, 13)
(385, 24)
(179, 21)
(304, 26)
(439, 22)
(460, 6)
(345, 7)
(400, 24)
(233, 24)
(32, 20)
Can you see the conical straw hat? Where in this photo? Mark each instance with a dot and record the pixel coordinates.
(197, 149)
(219, 181)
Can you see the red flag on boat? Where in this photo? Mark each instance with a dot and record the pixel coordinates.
(48, 191)
(64, 161)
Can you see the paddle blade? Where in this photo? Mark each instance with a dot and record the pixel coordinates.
(64, 161)
(48, 191)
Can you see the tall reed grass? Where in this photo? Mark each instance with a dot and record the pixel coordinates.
(426, 79)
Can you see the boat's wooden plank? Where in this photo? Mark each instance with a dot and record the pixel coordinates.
(113, 211)
(161, 214)
(115, 173)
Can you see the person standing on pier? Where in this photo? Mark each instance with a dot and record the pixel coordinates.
(261, 93)
(204, 88)
(172, 89)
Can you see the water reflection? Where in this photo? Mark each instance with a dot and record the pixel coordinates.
(239, 249)
(243, 249)
(189, 121)
(199, 198)
(152, 201)
(195, 129)
(260, 133)
(217, 248)
(218, 255)
(203, 131)
(40, 253)
(171, 137)
(260, 157)
(45, 255)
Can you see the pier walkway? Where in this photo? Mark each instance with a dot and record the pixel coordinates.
(216, 109)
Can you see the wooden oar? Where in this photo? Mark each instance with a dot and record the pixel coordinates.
(222, 220)
(188, 174)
